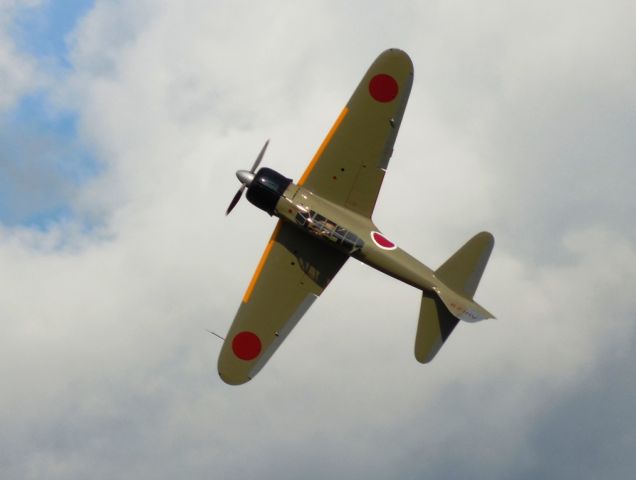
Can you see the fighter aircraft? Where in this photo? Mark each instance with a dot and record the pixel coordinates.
(325, 218)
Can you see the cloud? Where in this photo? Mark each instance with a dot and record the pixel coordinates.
(110, 370)
(17, 72)
(42, 161)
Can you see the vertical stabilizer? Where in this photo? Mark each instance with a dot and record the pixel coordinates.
(433, 328)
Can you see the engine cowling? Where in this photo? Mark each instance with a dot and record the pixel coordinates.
(266, 188)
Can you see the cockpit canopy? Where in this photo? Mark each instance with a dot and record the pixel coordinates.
(266, 188)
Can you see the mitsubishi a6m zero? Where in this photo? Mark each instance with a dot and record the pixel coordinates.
(325, 218)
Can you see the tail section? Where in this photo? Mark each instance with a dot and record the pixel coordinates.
(452, 298)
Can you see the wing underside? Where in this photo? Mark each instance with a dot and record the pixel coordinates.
(349, 166)
(293, 272)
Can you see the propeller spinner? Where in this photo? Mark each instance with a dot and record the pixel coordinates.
(246, 177)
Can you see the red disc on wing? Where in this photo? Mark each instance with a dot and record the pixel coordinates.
(382, 242)
(383, 87)
(246, 345)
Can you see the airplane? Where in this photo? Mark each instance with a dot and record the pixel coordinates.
(325, 218)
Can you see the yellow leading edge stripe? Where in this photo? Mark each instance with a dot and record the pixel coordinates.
(324, 144)
(270, 244)
(261, 264)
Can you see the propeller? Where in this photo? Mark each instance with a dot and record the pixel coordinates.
(246, 177)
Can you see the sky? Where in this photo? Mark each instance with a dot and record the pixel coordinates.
(121, 127)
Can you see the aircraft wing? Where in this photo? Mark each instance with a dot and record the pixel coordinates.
(293, 272)
(349, 166)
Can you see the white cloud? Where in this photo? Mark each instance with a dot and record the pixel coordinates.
(17, 71)
(104, 349)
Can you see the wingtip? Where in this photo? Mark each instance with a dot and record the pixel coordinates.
(486, 237)
(231, 380)
(397, 52)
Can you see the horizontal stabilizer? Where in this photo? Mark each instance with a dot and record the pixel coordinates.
(464, 269)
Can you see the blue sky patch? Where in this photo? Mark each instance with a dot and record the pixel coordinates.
(41, 31)
(42, 161)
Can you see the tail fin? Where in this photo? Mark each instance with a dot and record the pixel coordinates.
(452, 299)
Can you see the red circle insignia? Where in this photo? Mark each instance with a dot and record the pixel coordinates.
(246, 345)
(383, 87)
(382, 242)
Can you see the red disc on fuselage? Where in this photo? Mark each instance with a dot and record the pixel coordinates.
(383, 88)
(246, 345)
(382, 242)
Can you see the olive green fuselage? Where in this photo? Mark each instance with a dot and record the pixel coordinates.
(353, 234)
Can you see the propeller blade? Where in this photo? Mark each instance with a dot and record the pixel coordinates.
(235, 200)
(248, 178)
(260, 157)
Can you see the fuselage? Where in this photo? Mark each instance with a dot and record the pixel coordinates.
(351, 233)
